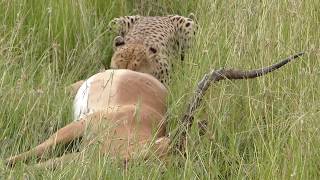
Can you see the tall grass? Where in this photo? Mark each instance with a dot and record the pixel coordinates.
(266, 128)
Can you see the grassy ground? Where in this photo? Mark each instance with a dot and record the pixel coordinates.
(267, 128)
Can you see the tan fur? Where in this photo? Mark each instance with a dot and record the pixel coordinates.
(128, 111)
(134, 57)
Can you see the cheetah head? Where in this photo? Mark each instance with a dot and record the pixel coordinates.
(136, 57)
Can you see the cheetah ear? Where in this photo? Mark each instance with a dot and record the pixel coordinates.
(118, 41)
(192, 16)
(153, 50)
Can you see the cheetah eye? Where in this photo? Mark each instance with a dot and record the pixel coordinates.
(153, 50)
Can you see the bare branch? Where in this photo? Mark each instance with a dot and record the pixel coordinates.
(212, 77)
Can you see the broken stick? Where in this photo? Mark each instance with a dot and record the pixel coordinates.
(212, 77)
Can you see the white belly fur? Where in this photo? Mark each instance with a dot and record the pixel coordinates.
(80, 103)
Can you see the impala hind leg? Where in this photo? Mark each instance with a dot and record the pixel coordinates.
(159, 148)
(64, 135)
(59, 161)
(162, 146)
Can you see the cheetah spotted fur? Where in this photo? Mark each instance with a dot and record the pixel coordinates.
(148, 44)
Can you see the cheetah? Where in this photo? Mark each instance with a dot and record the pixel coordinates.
(148, 44)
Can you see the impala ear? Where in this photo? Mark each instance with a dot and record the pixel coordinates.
(118, 41)
(153, 50)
